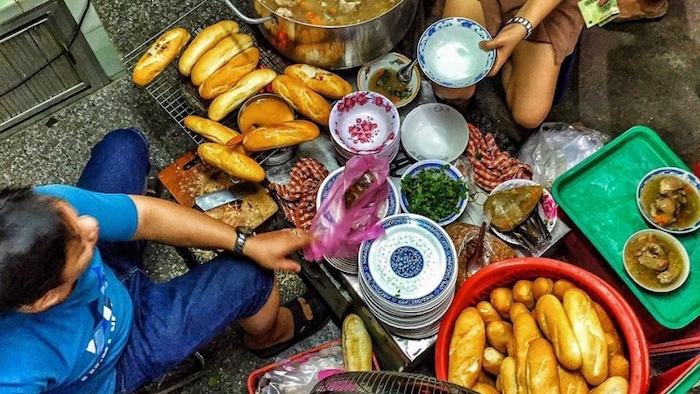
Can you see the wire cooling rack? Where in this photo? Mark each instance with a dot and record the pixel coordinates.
(176, 94)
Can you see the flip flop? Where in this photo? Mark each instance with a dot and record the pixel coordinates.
(154, 187)
(303, 327)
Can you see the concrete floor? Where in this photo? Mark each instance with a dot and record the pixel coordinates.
(627, 74)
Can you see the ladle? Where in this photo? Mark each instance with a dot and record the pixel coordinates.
(406, 72)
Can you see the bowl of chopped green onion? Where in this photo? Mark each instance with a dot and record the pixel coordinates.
(434, 189)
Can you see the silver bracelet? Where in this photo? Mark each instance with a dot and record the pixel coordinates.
(523, 22)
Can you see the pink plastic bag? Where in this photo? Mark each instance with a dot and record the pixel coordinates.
(339, 230)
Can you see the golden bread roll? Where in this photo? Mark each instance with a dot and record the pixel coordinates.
(230, 73)
(244, 89)
(502, 298)
(231, 162)
(522, 292)
(486, 378)
(589, 335)
(555, 325)
(160, 55)
(612, 385)
(280, 135)
(525, 330)
(506, 378)
(618, 365)
(483, 388)
(209, 129)
(499, 334)
(304, 100)
(517, 308)
(612, 336)
(216, 57)
(488, 312)
(467, 348)
(492, 360)
(571, 382)
(264, 110)
(542, 286)
(541, 368)
(319, 80)
(560, 286)
(357, 345)
(204, 41)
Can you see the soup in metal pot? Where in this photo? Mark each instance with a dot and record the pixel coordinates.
(330, 12)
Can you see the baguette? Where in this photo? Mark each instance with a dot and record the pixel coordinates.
(502, 298)
(467, 348)
(204, 41)
(209, 129)
(231, 162)
(517, 308)
(216, 57)
(571, 382)
(492, 360)
(230, 73)
(160, 55)
(499, 334)
(483, 388)
(618, 366)
(488, 312)
(244, 89)
(612, 385)
(304, 100)
(542, 286)
(541, 368)
(522, 292)
(589, 335)
(357, 345)
(612, 337)
(560, 286)
(280, 135)
(556, 327)
(506, 378)
(319, 80)
(525, 330)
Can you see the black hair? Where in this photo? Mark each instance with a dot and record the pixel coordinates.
(33, 240)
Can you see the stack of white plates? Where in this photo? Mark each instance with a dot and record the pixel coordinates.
(391, 207)
(407, 277)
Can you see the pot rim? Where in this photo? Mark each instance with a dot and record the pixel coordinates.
(400, 2)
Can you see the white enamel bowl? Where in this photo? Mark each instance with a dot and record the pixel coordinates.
(434, 131)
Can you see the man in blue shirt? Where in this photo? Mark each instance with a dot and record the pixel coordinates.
(79, 315)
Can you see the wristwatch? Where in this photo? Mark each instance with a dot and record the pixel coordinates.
(243, 233)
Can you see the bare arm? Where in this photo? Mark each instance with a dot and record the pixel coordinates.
(169, 223)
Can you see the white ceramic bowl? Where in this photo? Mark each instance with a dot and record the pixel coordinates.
(434, 131)
(685, 260)
(364, 122)
(391, 61)
(684, 176)
(449, 53)
(451, 171)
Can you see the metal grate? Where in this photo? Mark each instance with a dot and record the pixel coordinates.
(386, 382)
(174, 92)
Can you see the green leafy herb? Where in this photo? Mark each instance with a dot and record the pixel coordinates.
(433, 194)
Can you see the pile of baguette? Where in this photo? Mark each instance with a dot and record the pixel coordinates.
(224, 66)
(540, 336)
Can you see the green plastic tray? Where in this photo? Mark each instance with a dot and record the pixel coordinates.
(687, 382)
(598, 195)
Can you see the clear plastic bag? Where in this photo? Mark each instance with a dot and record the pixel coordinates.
(557, 147)
(350, 213)
(299, 376)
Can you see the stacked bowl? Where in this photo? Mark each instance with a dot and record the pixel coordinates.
(407, 277)
(390, 207)
(365, 123)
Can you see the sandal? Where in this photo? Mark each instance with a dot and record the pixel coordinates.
(303, 327)
(154, 187)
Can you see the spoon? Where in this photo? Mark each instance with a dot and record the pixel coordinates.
(406, 72)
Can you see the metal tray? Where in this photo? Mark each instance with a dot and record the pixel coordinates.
(599, 196)
(174, 92)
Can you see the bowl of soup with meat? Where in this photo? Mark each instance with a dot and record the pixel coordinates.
(656, 260)
(669, 199)
(380, 76)
(330, 12)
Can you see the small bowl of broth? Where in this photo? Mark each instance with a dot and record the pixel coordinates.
(380, 76)
(656, 260)
(669, 199)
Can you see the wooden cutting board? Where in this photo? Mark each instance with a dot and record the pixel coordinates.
(188, 177)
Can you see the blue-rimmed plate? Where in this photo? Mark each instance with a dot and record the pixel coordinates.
(449, 53)
(691, 185)
(391, 207)
(412, 265)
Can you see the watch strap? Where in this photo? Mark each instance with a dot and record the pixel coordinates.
(523, 22)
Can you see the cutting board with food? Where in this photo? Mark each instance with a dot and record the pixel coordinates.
(188, 177)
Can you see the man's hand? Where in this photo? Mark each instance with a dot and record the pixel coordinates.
(504, 43)
(271, 250)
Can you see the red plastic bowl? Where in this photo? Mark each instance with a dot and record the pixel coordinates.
(506, 273)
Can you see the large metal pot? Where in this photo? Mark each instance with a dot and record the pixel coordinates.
(332, 47)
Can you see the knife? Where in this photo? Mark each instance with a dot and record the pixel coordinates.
(217, 198)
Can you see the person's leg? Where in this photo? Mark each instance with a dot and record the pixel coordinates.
(119, 163)
(530, 80)
(174, 319)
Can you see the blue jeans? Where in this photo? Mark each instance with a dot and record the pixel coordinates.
(172, 319)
